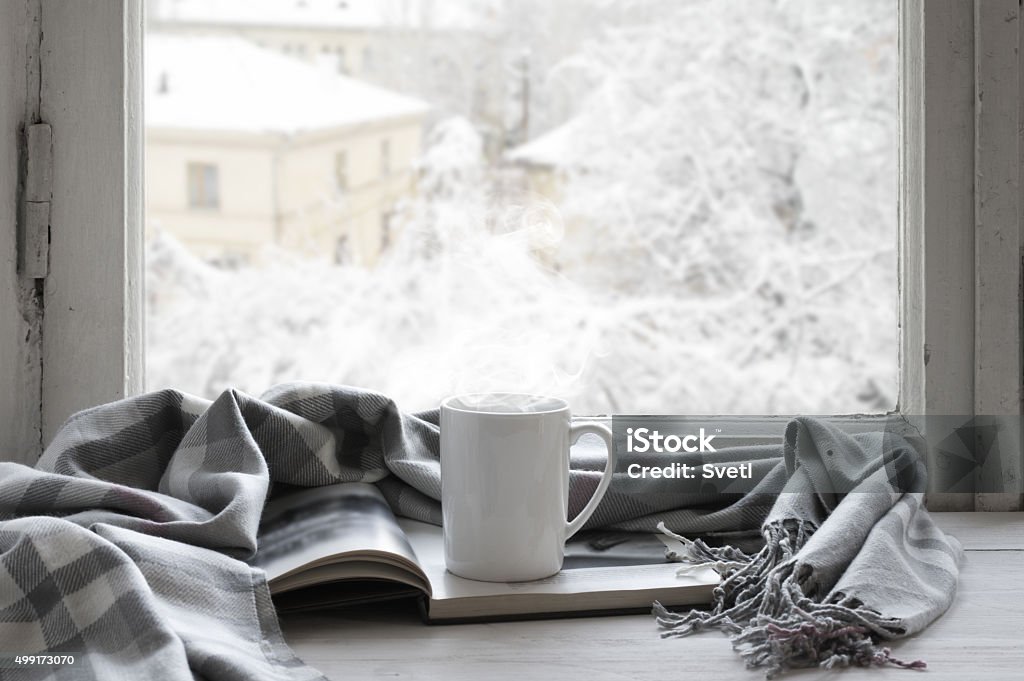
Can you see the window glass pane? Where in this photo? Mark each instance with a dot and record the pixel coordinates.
(639, 205)
(211, 188)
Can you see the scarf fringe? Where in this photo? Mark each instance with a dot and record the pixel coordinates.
(761, 603)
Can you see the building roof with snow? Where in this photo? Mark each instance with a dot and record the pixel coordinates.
(330, 14)
(549, 150)
(227, 84)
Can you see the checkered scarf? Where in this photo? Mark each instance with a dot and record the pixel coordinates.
(126, 545)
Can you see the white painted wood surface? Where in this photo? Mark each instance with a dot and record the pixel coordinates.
(960, 248)
(979, 638)
(948, 176)
(20, 360)
(36, 195)
(937, 242)
(912, 362)
(997, 246)
(91, 95)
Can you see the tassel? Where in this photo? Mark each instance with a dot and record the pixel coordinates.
(761, 604)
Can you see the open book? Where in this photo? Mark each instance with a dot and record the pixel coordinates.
(341, 545)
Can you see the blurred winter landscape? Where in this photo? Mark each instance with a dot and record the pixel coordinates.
(643, 206)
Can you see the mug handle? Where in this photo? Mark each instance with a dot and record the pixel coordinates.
(575, 432)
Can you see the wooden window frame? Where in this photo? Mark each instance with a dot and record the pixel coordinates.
(78, 337)
(959, 244)
(960, 236)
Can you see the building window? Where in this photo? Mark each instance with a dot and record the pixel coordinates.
(341, 170)
(342, 251)
(203, 186)
(385, 158)
(387, 219)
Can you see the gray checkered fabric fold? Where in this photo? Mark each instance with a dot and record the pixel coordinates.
(126, 544)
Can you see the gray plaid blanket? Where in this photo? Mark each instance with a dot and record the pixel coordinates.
(126, 545)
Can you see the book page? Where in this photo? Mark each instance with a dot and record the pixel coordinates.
(320, 526)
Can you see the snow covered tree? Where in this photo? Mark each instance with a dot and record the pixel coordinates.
(736, 161)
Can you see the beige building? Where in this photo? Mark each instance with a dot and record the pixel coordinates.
(247, 147)
(440, 50)
(542, 160)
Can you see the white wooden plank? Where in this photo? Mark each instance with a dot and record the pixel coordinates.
(911, 209)
(997, 248)
(979, 637)
(949, 206)
(20, 361)
(994, 531)
(937, 244)
(93, 320)
(135, 199)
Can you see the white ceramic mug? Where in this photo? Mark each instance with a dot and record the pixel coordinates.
(505, 484)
